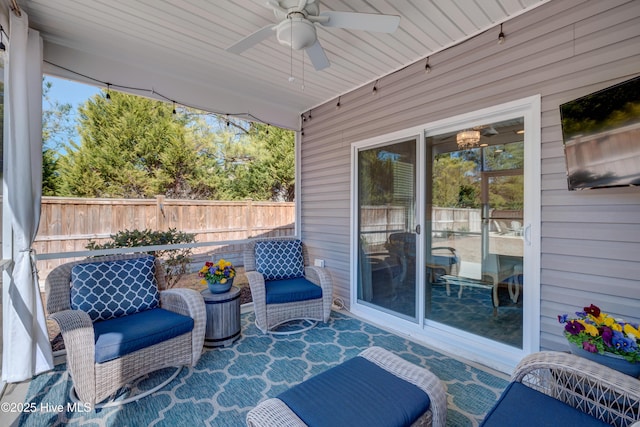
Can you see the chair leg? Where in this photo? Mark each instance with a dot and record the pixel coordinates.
(310, 324)
(111, 403)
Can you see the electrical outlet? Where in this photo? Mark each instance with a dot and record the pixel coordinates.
(318, 262)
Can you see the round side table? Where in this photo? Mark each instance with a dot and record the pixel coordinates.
(223, 317)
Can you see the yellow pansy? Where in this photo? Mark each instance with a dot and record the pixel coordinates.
(203, 282)
(631, 331)
(591, 330)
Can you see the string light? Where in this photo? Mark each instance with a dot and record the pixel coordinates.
(501, 36)
(174, 108)
(338, 104)
(427, 67)
(246, 116)
(375, 87)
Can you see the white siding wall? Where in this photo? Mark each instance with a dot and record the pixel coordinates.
(561, 50)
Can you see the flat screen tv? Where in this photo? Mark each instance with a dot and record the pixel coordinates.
(601, 134)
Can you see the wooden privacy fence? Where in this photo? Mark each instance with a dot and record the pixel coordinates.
(68, 224)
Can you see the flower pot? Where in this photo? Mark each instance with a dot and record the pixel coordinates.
(610, 360)
(220, 288)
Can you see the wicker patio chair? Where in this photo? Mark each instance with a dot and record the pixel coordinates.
(606, 394)
(269, 273)
(93, 382)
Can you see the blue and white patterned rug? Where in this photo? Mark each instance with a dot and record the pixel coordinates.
(227, 382)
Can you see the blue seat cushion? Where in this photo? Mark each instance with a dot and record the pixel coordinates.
(520, 405)
(279, 259)
(291, 290)
(117, 337)
(110, 289)
(356, 393)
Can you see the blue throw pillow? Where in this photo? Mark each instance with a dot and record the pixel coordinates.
(279, 259)
(110, 289)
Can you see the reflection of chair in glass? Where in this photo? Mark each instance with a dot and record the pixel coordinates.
(402, 246)
(443, 261)
(376, 267)
(503, 272)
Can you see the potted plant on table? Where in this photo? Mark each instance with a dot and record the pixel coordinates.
(217, 276)
(598, 336)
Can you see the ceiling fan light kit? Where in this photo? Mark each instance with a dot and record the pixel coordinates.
(297, 33)
(297, 30)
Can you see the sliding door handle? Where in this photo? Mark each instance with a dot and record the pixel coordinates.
(418, 229)
(527, 235)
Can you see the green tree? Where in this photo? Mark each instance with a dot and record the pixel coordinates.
(132, 147)
(454, 182)
(257, 162)
(279, 162)
(57, 130)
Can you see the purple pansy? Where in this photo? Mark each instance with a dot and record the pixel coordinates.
(573, 327)
(607, 335)
(562, 318)
(591, 348)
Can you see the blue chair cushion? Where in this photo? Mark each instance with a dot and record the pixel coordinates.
(523, 406)
(356, 393)
(291, 290)
(110, 289)
(279, 259)
(117, 337)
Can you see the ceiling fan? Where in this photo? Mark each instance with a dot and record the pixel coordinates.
(297, 30)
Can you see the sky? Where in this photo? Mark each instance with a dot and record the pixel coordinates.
(66, 91)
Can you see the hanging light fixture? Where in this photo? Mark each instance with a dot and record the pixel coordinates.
(467, 139)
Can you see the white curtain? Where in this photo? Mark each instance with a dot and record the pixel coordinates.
(26, 348)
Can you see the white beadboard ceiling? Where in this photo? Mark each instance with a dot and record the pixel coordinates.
(176, 48)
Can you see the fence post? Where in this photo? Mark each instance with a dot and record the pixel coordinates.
(249, 218)
(160, 216)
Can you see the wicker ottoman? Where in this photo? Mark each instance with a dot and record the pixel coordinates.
(377, 388)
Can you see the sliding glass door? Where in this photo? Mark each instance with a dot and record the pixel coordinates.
(475, 193)
(386, 235)
(446, 231)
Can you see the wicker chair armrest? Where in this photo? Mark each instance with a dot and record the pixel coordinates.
(600, 391)
(318, 275)
(77, 332)
(416, 375)
(256, 283)
(273, 413)
(321, 277)
(188, 303)
(258, 295)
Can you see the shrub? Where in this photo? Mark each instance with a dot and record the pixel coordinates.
(175, 261)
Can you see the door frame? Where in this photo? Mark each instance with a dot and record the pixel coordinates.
(451, 340)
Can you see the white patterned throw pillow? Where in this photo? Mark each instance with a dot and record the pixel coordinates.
(279, 259)
(110, 289)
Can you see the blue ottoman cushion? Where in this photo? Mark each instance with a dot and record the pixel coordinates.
(123, 335)
(291, 290)
(356, 393)
(523, 406)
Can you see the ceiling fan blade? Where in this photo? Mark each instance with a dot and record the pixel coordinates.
(251, 40)
(317, 56)
(361, 21)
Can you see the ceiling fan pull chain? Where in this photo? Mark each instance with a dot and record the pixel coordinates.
(302, 51)
(291, 78)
